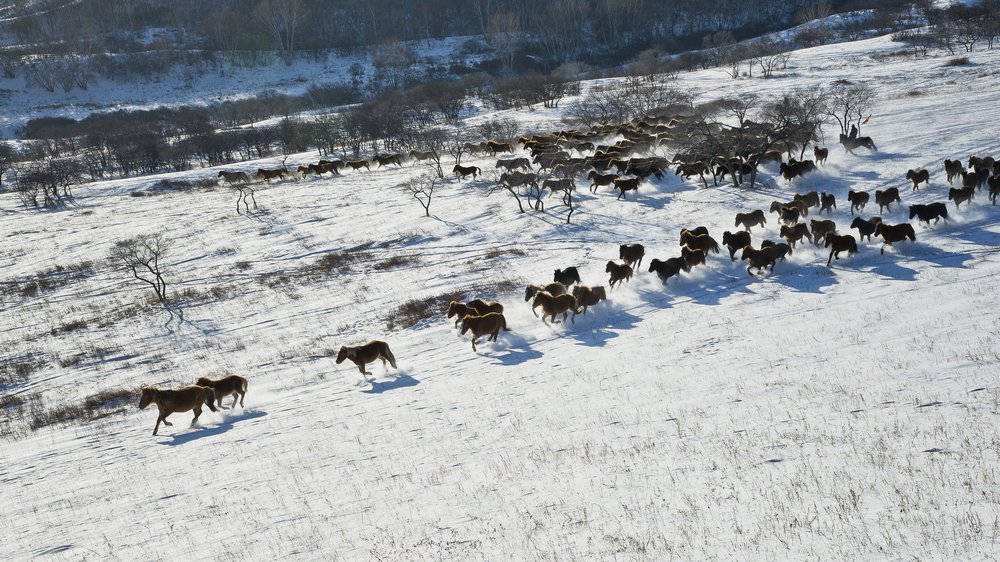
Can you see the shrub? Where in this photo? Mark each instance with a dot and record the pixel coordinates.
(957, 61)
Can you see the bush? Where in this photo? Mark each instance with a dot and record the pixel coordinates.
(414, 311)
(957, 61)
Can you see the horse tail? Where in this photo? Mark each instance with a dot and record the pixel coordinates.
(715, 246)
(503, 323)
(910, 232)
(210, 398)
(390, 356)
(243, 386)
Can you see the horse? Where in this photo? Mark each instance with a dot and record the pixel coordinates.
(759, 258)
(779, 249)
(268, 175)
(795, 233)
(894, 233)
(960, 196)
(233, 385)
(696, 231)
(565, 185)
(811, 199)
(883, 198)
(632, 254)
(797, 204)
(388, 159)
(792, 170)
(555, 289)
(820, 154)
(701, 242)
(493, 147)
(821, 229)
(627, 184)
(840, 243)
(179, 400)
(598, 179)
(917, 176)
(463, 171)
(367, 353)
(925, 213)
(852, 143)
(513, 163)
(619, 272)
(751, 219)
(735, 241)
(866, 227)
(971, 179)
(858, 200)
(421, 155)
(333, 166)
(474, 307)
(566, 276)
(490, 323)
(953, 168)
(994, 184)
(554, 306)
(234, 177)
(693, 257)
(790, 215)
(358, 164)
(669, 268)
(827, 202)
(588, 296)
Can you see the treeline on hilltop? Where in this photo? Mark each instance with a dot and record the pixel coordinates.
(556, 30)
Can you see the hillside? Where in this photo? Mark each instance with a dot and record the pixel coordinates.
(814, 412)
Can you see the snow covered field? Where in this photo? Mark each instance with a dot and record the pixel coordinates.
(813, 413)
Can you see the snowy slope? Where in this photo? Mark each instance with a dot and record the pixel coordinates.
(816, 412)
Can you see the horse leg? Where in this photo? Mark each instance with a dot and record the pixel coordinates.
(157, 426)
(829, 259)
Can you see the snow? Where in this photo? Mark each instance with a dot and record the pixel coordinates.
(817, 412)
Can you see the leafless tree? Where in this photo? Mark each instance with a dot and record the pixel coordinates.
(503, 32)
(851, 104)
(422, 189)
(281, 19)
(142, 255)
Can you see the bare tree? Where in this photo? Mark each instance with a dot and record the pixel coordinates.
(422, 189)
(281, 19)
(850, 104)
(142, 255)
(504, 33)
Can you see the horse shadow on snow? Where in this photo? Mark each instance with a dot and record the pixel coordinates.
(200, 432)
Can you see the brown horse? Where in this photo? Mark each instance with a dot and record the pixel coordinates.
(735, 241)
(797, 204)
(702, 242)
(490, 323)
(385, 160)
(917, 176)
(268, 175)
(493, 147)
(514, 163)
(358, 164)
(795, 233)
(627, 184)
(597, 179)
(554, 306)
(588, 296)
(233, 385)
(555, 289)
(811, 199)
(632, 254)
(421, 155)
(475, 307)
(994, 184)
(953, 168)
(179, 400)
(693, 257)
(838, 243)
(751, 219)
(821, 229)
(234, 177)
(759, 258)
(618, 272)
(884, 198)
(894, 233)
(866, 227)
(463, 171)
(820, 154)
(696, 231)
(367, 353)
(827, 202)
(960, 196)
(858, 200)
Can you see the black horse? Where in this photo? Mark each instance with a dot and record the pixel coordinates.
(850, 144)
(925, 213)
(667, 269)
(567, 276)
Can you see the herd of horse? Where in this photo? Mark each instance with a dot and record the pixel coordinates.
(623, 166)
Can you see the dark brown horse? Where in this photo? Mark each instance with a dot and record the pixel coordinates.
(463, 171)
(894, 233)
(367, 353)
(852, 143)
(748, 220)
(588, 296)
(960, 196)
(358, 164)
(735, 242)
(918, 176)
(953, 168)
(866, 227)
(827, 202)
(820, 154)
(795, 233)
(840, 243)
(555, 288)
(632, 254)
(490, 323)
(233, 385)
(858, 200)
(618, 272)
(884, 198)
(179, 400)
